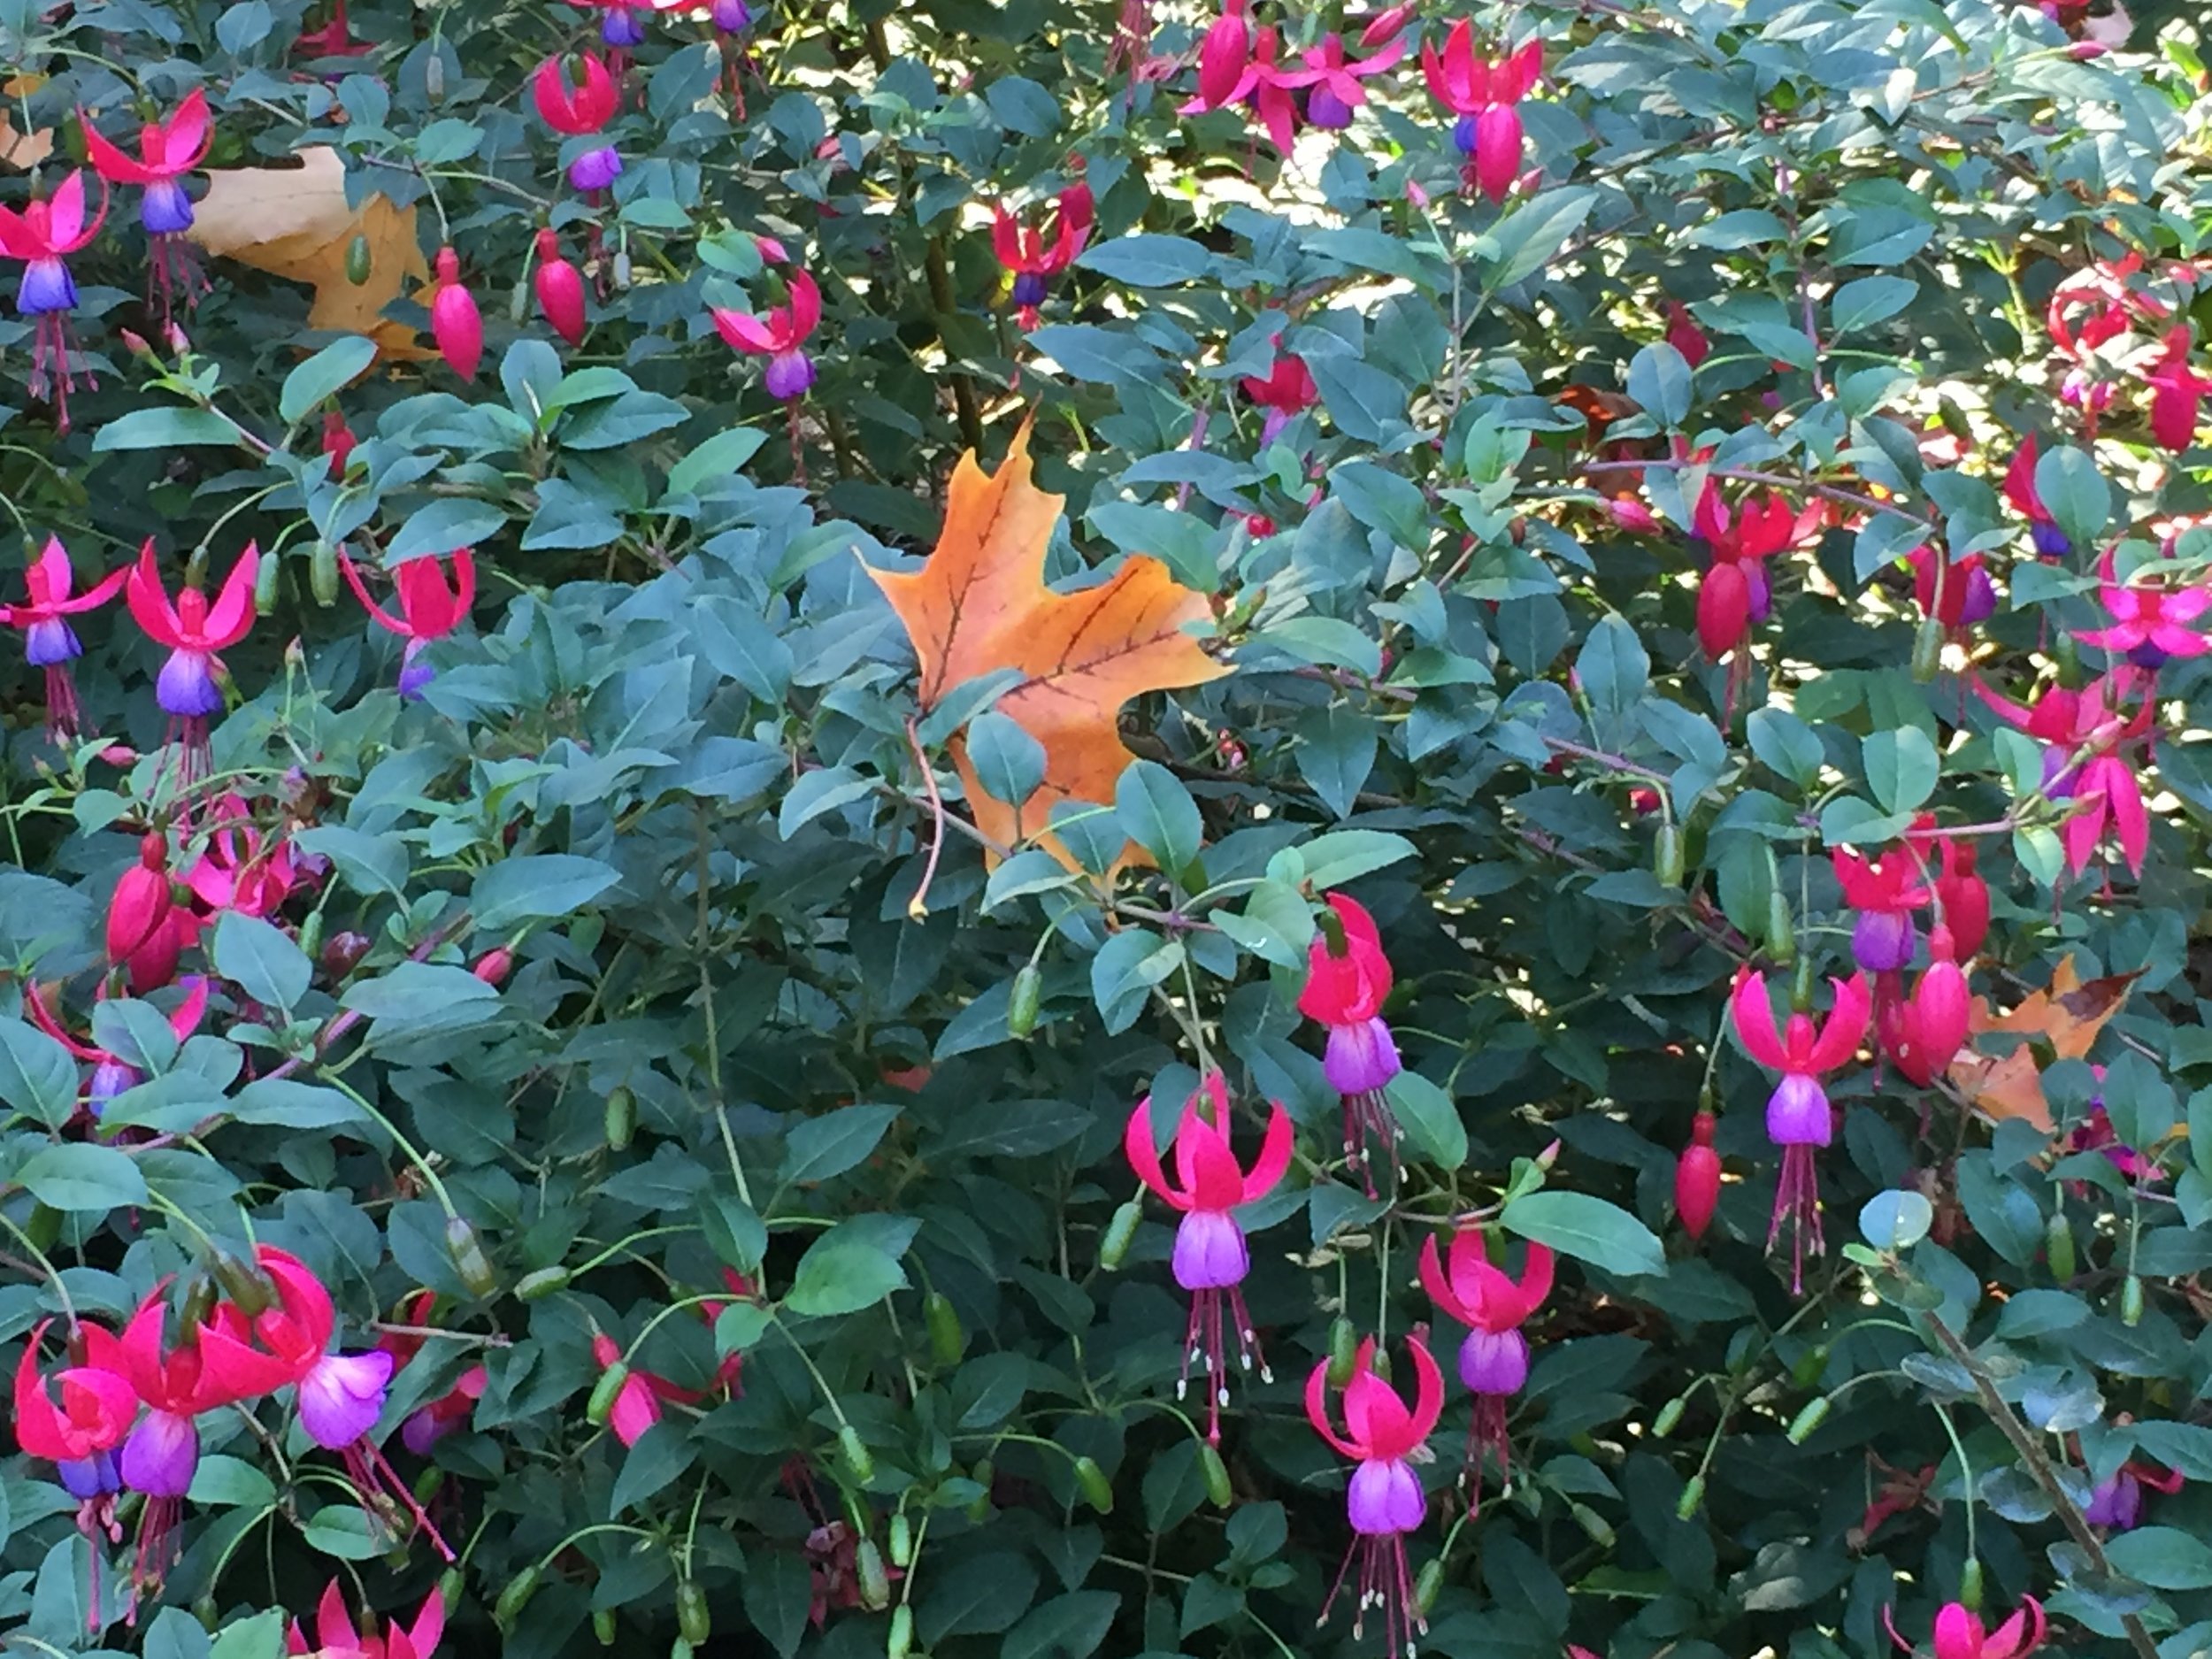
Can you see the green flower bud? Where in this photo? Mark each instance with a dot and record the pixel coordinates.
(1805, 1422)
(1428, 1586)
(2058, 1246)
(1217, 1473)
(875, 1583)
(469, 1259)
(693, 1617)
(1343, 1351)
(900, 1642)
(1970, 1584)
(2132, 1302)
(1781, 941)
(451, 1585)
(515, 1597)
(429, 1483)
(600, 1407)
(1593, 1523)
(857, 1457)
(901, 1541)
(322, 574)
(1670, 1417)
(1115, 1245)
(681, 1648)
(1666, 861)
(359, 261)
(265, 588)
(1098, 1491)
(1023, 1002)
(603, 1626)
(1927, 650)
(1693, 1498)
(947, 1340)
(621, 1119)
(538, 1286)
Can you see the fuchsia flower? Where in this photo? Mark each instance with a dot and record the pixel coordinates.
(78, 1438)
(1884, 891)
(1210, 1258)
(1269, 85)
(1697, 1178)
(580, 111)
(111, 1075)
(142, 935)
(1385, 1501)
(1958, 1633)
(193, 632)
(455, 323)
(1493, 1359)
(43, 236)
(429, 608)
(1033, 256)
(1924, 1032)
(1347, 981)
(2177, 391)
(780, 336)
(1287, 392)
(1335, 89)
(1735, 592)
(620, 26)
(1222, 58)
(2115, 1505)
(2050, 541)
(2103, 786)
(2113, 306)
(1684, 336)
(166, 152)
(336, 1636)
(428, 1424)
(559, 286)
(241, 869)
(1962, 897)
(2150, 623)
(637, 1404)
(1967, 595)
(1484, 94)
(1798, 1117)
(49, 642)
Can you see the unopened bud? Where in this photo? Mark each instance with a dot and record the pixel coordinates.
(495, 966)
(947, 1340)
(1970, 1584)
(1217, 1473)
(453, 1584)
(243, 1282)
(265, 588)
(1098, 1491)
(515, 1597)
(136, 344)
(342, 953)
(2058, 1246)
(600, 1406)
(1343, 1352)
(1781, 941)
(429, 1483)
(2132, 1302)
(620, 1119)
(1428, 1586)
(469, 1259)
(875, 1583)
(694, 1618)
(1927, 650)
(537, 1285)
(433, 78)
(901, 1541)
(1805, 1422)
(858, 1460)
(1670, 1417)
(322, 574)
(1692, 1500)
(900, 1643)
(1023, 1001)
(603, 1625)
(1598, 1531)
(1667, 861)
(1122, 1228)
(359, 261)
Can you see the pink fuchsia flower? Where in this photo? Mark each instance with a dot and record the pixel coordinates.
(1287, 392)
(1798, 1117)
(1347, 981)
(1753, 533)
(430, 608)
(1684, 336)
(559, 287)
(193, 631)
(1922, 1034)
(1697, 1178)
(579, 111)
(141, 938)
(455, 323)
(110, 1075)
(1885, 890)
(779, 336)
(428, 1424)
(78, 1435)
(1957, 593)
(2150, 623)
(1960, 1634)
(2176, 392)
(2112, 306)
(166, 152)
(241, 869)
(1222, 58)
(1963, 896)
(1493, 1359)
(49, 642)
(1210, 1258)
(1335, 91)
(43, 236)
(2104, 786)
(1484, 93)
(1385, 1501)
(619, 25)
(1036, 254)
(2115, 1504)
(2050, 541)
(334, 1634)
(1268, 85)
(637, 1404)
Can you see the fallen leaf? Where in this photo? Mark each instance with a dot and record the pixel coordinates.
(23, 150)
(2068, 1015)
(295, 223)
(980, 604)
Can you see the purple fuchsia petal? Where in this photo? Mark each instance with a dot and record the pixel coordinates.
(46, 286)
(1325, 109)
(186, 686)
(1361, 1058)
(165, 210)
(342, 1395)
(51, 642)
(2116, 1505)
(1882, 941)
(1209, 1251)
(790, 374)
(1797, 1113)
(1386, 1497)
(596, 169)
(1494, 1362)
(621, 27)
(1030, 288)
(92, 1476)
(161, 1454)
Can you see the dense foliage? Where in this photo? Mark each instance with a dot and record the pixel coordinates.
(1619, 707)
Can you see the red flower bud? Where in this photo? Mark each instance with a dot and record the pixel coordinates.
(560, 290)
(1222, 58)
(1697, 1178)
(1385, 27)
(338, 442)
(1964, 897)
(455, 322)
(1724, 609)
(494, 967)
(140, 909)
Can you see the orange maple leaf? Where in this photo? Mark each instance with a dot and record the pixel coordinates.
(2068, 1016)
(980, 604)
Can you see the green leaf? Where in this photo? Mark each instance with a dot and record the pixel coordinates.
(1069, 1627)
(662, 1454)
(1659, 379)
(81, 1175)
(230, 1483)
(323, 376)
(1157, 813)
(1342, 856)
(834, 1142)
(1616, 674)
(283, 1102)
(1336, 753)
(720, 456)
(536, 887)
(1588, 1229)
(2163, 1557)
(261, 960)
(345, 1531)
(2074, 492)
(164, 429)
(981, 1595)
(1148, 261)
(1902, 768)
(850, 1267)
(1008, 763)
(1430, 1118)
(38, 1077)
(1365, 401)
(444, 526)
(1123, 972)
(819, 792)
(1870, 300)
(1528, 238)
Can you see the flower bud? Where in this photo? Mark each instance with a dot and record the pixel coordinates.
(857, 1457)
(343, 952)
(265, 588)
(2132, 1302)
(322, 574)
(875, 1583)
(452, 1583)
(248, 1292)
(1593, 1524)
(1022, 1001)
(603, 1625)
(901, 1541)
(900, 1644)
(1697, 1178)
(600, 1406)
(2058, 1246)
(1428, 1586)
(693, 1616)
(455, 322)
(620, 1119)
(1927, 650)
(537, 1285)
(1343, 1351)
(1667, 861)
(1122, 1228)
(947, 1340)
(469, 1259)
(136, 344)
(1098, 1491)
(1693, 1498)
(359, 261)
(1805, 1422)
(495, 966)
(515, 1597)
(983, 1474)
(1670, 1417)
(1970, 1584)
(1217, 1473)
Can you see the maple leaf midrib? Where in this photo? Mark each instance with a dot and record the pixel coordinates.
(1043, 680)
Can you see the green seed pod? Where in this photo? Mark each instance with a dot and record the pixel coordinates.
(900, 1642)
(603, 1626)
(1217, 1473)
(1970, 1584)
(1927, 646)
(359, 262)
(947, 1340)
(1781, 930)
(1670, 1417)
(600, 1407)
(619, 272)
(875, 1583)
(519, 299)
(265, 588)
(1593, 1524)
(693, 1617)
(1805, 1422)
(1122, 1228)
(2058, 1246)
(2132, 1302)
(1428, 1586)
(1098, 1491)
(538, 1286)
(322, 574)
(1666, 859)
(901, 1541)
(515, 1597)
(469, 1259)
(1801, 986)
(1693, 1498)
(199, 1301)
(451, 1585)
(1343, 1351)
(429, 1483)
(1023, 1002)
(621, 1119)
(857, 1457)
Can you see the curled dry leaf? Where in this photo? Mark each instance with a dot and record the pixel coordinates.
(2067, 1015)
(295, 223)
(980, 604)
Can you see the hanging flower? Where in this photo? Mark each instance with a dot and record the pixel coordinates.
(428, 1424)
(2104, 788)
(139, 937)
(637, 1402)
(1957, 593)
(1493, 1359)
(1959, 1632)
(1222, 58)
(2177, 391)
(241, 869)
(429, 608)
(1347, 981)
(1385, 1501)
(620, 26)
(1271, 88)
(1335, 91)
(1697, 1178)
(1210, 1258)
(1287, 392)
(2151, 625)
(1924, 1033)
(2050, 541)
(1484, 93)
(580, 111)
(2116, 1503)
(560, 289)
(193, 631)
(49, 642)
(335, 39)
(1751, 535)
(780, 336)
(1963, 896)
(166, 152)
(79, 1437)
(1035, 255)
(1885, 890)
(43, 236)
(1798, 1117)
(110, 1075)
(1684, 336)
(455, 322)
(335, 1633)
